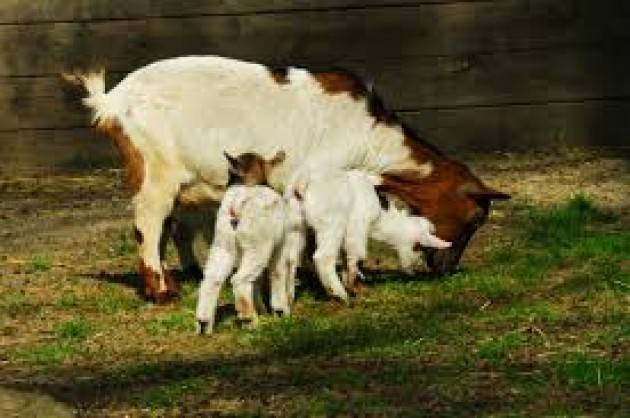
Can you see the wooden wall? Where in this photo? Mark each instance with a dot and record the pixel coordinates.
(481, 75)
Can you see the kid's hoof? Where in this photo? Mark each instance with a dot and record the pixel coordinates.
(247, 323)
(194, 272)
(202, 327)
(281, 313)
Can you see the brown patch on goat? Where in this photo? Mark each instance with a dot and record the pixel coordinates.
(251, 169)
(138, 235)
(244, 308)
(279, 74)
(336, 82)
(151, 279)
(134, 163)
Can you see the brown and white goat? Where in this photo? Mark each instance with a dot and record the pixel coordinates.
(173, 119)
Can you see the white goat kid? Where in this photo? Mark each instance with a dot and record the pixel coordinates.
(252, 231)
(343, 209)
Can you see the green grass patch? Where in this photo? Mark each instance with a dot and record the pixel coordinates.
(69, 336)
(41, 263)
(172, 394)
(114, 300)
(563, 224)
(582, 370)
(75, 329)
(498, 349)
(125, 245)
(171, 322)
(15, 303)
(47, 354)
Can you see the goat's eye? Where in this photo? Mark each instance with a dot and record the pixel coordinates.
(417, 247)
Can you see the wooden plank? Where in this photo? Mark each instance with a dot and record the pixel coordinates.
(28, 11)
(526, 127)
(594, 123)
(505, 78)
(54, 151)
(489, 79)
(315, 37)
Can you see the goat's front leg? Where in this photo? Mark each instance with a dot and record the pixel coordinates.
(253, 262)
(152, 206)
(218, 267)
(278, 275)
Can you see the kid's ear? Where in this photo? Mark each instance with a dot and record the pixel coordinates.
(431, 241)
(233, 164)
(278, 158)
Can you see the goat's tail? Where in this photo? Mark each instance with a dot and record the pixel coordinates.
(94, 85)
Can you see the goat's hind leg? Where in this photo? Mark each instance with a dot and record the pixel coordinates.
(152, 206)
(278, 275)
(218, 267)
(253, 263)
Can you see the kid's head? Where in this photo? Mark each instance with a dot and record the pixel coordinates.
(416, 234)
(251, 169)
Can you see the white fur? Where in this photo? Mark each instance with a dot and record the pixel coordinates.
(253, 229)
(343, 209)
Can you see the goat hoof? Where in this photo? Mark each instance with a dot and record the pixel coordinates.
(194, 272)
(280, 313)
(162, 297)
(247, 323)
(201, 327)
(171, 285)
(340, 301)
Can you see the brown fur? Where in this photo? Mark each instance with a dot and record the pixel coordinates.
(252, 169)
(138, 235)
(244, 308)
(151, 280)
(280, 75)
(451, 196)
(134, 163)
(336, 82)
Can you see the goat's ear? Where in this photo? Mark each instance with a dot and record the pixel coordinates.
(489, 194)
(233, 163)
(278, 158)
(431, 241)
(483, 192)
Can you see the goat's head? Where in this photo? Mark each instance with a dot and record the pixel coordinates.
(250, 168)
(453, 199)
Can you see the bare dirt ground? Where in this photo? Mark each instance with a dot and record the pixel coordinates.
(72, 324)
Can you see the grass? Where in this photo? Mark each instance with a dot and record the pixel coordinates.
(75, 329)
(497, 349)
(168, 323)
(125, 245)
(580, 370)
(66, 341)
(41, 263)
(536, 326)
